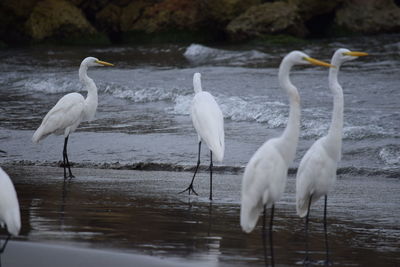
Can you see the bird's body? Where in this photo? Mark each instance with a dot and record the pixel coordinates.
(9, 206)
(316, 174)
(208, 122)
(264, 182)
(65, 117)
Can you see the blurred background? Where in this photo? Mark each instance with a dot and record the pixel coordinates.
(138, 21)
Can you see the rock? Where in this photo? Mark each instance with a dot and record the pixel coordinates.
(223, 11)
(132, 13)
(268, 18)
(369, 16)
(108, 19)
(168, 15)
(13, 14)
(308, 9)
(57, 19)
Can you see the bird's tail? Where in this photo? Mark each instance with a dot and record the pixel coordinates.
(38, 135)
(13, 221)
(302, 206)
(249, 216)
(218, 154)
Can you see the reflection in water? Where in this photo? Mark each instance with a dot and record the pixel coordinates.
(3, 247)
(307, 261)
(140, 212)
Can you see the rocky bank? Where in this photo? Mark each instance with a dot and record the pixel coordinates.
(125, 21)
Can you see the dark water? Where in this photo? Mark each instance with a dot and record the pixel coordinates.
(141, 212)
(142, 122)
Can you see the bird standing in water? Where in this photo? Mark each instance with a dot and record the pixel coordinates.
(71, 110)
(265, 175)
(208, 121)
(316, 174)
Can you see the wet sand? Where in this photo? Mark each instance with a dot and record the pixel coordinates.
(137, 217)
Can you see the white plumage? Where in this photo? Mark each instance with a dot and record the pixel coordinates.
(316, 174)
(71, 110)
(208, 122)
(265, 175)
(9, 206)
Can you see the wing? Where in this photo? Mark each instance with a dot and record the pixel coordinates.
(9, 206)
(263, 183)
(68, 112)
(209, 122)
(315, 176)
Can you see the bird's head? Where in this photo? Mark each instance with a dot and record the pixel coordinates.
(342, 55)
(300, 58)
(93, 62)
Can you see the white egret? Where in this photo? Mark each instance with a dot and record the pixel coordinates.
(265, 175)
(316, 174)
(9, 208)
(208, 121)
(71, 110)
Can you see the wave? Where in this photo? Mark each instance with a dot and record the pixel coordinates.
(240, 109)
(156, 166)
(390, 155)
(50, 84)
(199, 54)
(144, 95)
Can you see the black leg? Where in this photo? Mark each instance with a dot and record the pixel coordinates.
(190, 187)
(270, 236)
(5, 244)
(327, 261)
(264, 236)
(211, 166)
(307, 260)
(66, 158)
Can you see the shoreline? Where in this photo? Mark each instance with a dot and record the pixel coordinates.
(131, 210)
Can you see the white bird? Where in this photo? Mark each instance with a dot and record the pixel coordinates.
(316, 174)
(265, 175)
(9, 208)
(208, 121)
(71, 110)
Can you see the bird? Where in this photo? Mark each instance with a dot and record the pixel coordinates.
(10, 217)
(265, 175)
(208, 122)
(71, 110)
(316, 173)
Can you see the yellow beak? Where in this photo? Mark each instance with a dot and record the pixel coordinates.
(104, 63)
(319, 62)
(355, 54)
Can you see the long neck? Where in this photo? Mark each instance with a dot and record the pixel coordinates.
(290, 135)
(91, 100)
(335, 129)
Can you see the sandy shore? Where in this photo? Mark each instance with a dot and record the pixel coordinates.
(136, 218)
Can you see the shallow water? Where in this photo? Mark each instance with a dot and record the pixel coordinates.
(142, 122)
(141, 212)
(144, 101)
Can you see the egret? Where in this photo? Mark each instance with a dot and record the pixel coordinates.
(316, 174)
(208, 121)
(9, 208)
(265, 175)
(71, 110)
